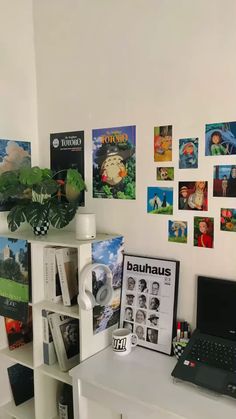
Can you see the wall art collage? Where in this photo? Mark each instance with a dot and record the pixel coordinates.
(220, 140)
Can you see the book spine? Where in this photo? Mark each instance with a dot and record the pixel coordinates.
(54, 331)
(49, 353)
(49, 262)
(63, 278)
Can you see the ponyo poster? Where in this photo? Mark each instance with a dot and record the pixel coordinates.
(114, 162)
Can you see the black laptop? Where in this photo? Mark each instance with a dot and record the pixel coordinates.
(209, 359)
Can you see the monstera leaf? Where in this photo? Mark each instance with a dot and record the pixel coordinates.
(16, 216)
(60, 214)
(37, 213)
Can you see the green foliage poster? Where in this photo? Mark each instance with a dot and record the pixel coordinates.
(14, 278)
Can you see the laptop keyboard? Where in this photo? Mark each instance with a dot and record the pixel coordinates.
(214, 354)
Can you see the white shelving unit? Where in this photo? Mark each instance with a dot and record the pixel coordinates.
(47, 379)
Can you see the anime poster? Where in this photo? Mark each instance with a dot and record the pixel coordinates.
(13, 156)
(109, 252)
(177, 231)
(188, 153)
(220, 139)
(159, 200)
(165, 173)
(163, 143)
(193, 195)
(114, 162)
(203, 232)
(224, 182)
(228, 219)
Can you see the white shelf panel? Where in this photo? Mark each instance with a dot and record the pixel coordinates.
(72, 311)
(22, 355)
(54, 371)
(56, 237)
(23, 411)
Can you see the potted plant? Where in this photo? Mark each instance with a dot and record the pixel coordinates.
(38, 198)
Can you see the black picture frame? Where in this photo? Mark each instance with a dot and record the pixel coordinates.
(149, 300)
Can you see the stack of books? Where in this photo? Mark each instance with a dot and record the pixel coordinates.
(61, 274)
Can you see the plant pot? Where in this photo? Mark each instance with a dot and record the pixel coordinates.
(42, 229)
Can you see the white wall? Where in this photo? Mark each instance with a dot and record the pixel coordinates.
(18, 116)
(107, 63)
(18, 111)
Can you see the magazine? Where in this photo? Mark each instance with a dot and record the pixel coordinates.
(65, 333)
(19, 333)
(67, 263)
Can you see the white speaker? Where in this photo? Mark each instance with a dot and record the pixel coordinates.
(86, 299)
(85, 226)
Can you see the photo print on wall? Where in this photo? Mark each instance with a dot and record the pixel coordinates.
(14, 155)
(228, 219)
(149, 300)
(220, 139)
(109, 252)
(188, 153)
(177, 231)
(163, 143)
(204, 232)
(193, 195)
(159, 200)
(224, 182)
(114, 169)
(165, 173)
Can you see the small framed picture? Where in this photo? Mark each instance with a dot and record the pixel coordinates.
(149, 300)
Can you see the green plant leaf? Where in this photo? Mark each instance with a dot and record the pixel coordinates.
(61, 213)
(74, 179)
(37, 213)
(47, 186)
(16, 216)
(30, 175)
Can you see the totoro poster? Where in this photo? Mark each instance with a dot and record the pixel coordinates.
(114, 162)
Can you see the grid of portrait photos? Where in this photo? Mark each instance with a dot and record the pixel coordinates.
(220, 140)
(148, 301)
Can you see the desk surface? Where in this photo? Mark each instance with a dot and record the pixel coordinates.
(143, 380)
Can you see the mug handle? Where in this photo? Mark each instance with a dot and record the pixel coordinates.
(134, 339)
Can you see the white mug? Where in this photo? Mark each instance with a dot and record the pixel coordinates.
(123, 340)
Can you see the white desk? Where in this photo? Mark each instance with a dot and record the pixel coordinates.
(140, 385)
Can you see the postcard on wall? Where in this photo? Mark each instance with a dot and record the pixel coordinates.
(220, 139)
(110, 253)
(159, 200)
(14, 155)
(193, 195)
(224, 182)
(165, 173)
(149, 300)
(188, 153)
(67, 152)
(114, 171)
(204, 232)
(228, 219)
(177, 231)
(14, 278)
(163, 143)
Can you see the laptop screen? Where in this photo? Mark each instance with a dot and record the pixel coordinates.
(216, 307)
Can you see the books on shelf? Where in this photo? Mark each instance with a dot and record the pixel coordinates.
(21, 380)
(49, 353)
(65, 333)
(14, 278)
(19, 333)
(67, 263)
(52, 286)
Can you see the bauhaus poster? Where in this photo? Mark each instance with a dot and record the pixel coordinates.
(149, 300)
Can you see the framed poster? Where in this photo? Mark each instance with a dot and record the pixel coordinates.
(149, 300)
